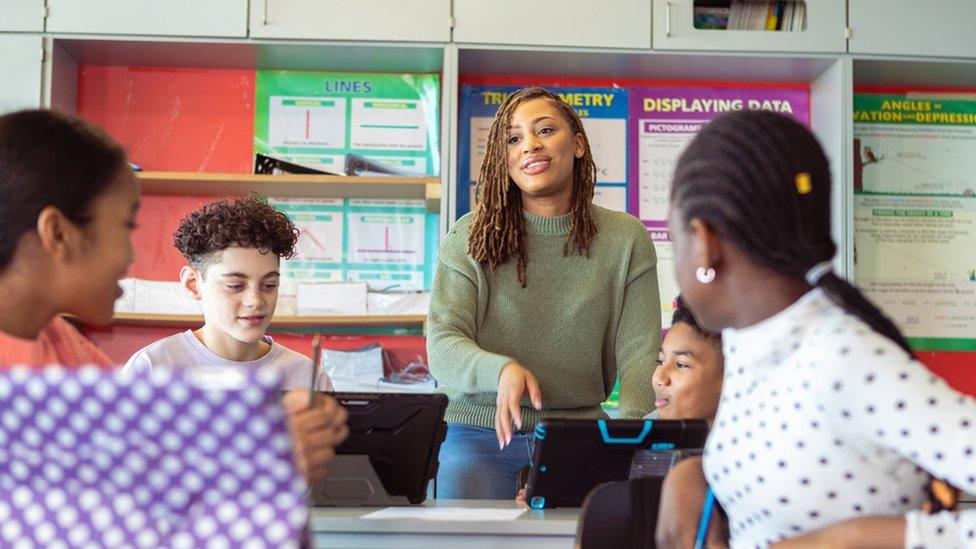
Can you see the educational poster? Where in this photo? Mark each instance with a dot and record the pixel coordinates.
(663, 120)
(389, 244)
(915, 215)
(349, 123)
(604, 114)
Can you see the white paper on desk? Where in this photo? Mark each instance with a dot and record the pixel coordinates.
(445, 513)
(332, 299)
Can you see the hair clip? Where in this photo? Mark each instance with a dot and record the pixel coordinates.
(803, 183)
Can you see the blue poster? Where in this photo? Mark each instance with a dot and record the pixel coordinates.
(604, 114)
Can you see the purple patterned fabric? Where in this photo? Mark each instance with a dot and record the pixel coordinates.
(90, 458)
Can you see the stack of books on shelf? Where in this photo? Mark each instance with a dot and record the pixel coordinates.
(780, 15)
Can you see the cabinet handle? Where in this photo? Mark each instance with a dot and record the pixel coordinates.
(667, 18)
(264, 15)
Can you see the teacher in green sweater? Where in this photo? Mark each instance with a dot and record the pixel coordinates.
(540, 299)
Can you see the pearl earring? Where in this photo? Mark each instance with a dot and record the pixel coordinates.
(705, 276)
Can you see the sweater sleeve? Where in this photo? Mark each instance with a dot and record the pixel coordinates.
(639, 333)
(456, 360)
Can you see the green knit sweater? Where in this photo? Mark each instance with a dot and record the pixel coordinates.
(577, 323)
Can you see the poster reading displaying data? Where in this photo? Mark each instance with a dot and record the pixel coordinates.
(915, 214)
(662, 121)
(349, 123)
(603, 111)
(389, 244)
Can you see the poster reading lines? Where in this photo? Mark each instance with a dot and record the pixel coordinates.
(349, 123)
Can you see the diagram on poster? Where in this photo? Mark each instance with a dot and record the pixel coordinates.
(914, 145)
(914, 258)
(386, 238)
(313, 122)
(660, 143)
(388, 125)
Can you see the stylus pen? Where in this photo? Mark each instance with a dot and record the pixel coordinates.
(706, 517)
(316, 358)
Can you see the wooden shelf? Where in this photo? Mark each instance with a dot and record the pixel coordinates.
(293, 186)
(304, 322)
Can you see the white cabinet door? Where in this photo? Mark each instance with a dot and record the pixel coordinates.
(385, 20)
(20, 87)
(674, 29)
(22, 15)
(909, 27)
(610, 24)
(154, 17)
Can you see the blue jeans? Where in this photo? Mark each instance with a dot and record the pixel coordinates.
(472, 466)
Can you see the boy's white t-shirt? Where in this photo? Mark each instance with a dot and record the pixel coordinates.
(184, 350)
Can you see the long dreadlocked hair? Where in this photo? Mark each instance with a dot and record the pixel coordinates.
(761, 180)
(498, 228)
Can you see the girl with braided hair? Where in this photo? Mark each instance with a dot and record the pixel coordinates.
(540, 299)
(827, 427)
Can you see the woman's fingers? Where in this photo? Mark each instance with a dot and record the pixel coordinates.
(535, 394)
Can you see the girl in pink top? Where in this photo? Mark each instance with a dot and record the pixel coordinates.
(68, 202)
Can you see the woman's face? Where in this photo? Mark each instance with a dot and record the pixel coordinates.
(542, 149)
(688, 378)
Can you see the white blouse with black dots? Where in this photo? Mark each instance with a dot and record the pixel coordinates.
(822, 420)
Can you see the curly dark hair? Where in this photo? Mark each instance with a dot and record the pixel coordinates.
(247, 222)
(684, 315)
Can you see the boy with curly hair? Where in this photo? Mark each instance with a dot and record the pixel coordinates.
(233, 250)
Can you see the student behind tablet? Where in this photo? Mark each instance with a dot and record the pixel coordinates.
(233, 251)
(540, 299)
(688, 377)
(68, 209)
(828, 427)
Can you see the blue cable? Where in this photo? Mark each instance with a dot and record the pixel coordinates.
(706, 516)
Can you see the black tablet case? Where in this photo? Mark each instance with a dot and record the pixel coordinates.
(391, 453)
(572, 456)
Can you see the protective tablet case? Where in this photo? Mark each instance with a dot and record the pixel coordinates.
(391, 452)
(572, 456)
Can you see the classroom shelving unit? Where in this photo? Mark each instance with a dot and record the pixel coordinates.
(278, 323)
(843, 44)
(288, 185)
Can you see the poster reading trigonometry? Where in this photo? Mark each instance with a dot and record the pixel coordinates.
(389, 244)
(604, 115)
(662, 120)
(340, 122)
(915, 214)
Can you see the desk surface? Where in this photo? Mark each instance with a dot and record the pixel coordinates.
(343, 527)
